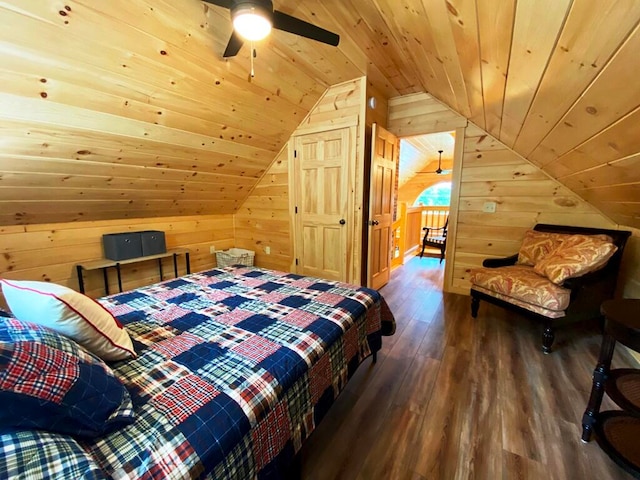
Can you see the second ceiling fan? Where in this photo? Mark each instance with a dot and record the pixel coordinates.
(253, 20)
(439, 170)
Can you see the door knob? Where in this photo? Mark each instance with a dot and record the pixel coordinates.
(342, 221)
(374, 222)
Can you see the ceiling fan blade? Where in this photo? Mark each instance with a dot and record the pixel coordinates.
(220, 3)
(234, 45)
(290, 24)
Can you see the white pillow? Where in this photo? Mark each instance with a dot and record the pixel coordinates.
(69, 313)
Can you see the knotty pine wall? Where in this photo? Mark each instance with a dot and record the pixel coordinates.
(265, 218)
(50, 252)
(491, 171)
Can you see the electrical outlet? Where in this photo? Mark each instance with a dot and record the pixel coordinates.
(267, 250)
(489, 207)
(212, 249)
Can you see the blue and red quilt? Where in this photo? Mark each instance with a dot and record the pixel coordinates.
(235, 368)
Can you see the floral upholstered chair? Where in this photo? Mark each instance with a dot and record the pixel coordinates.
(560, 275)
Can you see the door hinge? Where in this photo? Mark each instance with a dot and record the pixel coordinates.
(295, 154)
(296, 261)
(296, 209)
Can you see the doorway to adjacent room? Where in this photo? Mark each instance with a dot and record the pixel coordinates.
(423, 192)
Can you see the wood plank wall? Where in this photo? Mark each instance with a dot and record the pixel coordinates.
(491, 172)
(50, 252)
(264, 219)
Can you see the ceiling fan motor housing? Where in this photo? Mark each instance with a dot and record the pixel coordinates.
(263, 8)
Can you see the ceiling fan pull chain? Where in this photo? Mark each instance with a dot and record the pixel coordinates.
(253, 54)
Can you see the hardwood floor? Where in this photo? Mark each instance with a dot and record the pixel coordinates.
(456, 398)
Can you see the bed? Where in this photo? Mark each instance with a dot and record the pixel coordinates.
(235, 367)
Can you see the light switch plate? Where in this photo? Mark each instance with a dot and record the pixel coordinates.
(489, 207)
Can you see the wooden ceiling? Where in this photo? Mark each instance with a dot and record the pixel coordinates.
(419, 155)
(126, 108)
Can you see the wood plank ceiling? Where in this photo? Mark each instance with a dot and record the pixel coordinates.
(419, 156)
(126, 109)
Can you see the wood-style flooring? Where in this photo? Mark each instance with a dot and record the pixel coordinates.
(456, 398)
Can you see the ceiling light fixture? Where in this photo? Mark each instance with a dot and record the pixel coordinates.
(251, 21)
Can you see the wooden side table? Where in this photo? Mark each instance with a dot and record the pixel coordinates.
(105, 264)
(617, 431)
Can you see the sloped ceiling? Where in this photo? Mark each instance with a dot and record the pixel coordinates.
(126, 109)
(419, 155)
(556, 80)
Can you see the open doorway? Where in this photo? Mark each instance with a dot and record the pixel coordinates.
(423, 191)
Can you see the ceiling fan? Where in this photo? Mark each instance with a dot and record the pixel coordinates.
(253, 20)
(439, 170)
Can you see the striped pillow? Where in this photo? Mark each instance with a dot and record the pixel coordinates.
(69, 313)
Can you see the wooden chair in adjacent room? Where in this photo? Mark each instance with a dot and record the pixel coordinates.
(435, 238)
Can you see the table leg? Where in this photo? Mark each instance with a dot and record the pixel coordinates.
(600, 375)
(105, 279)
(160, 268)
(80, 279)
(119, 277)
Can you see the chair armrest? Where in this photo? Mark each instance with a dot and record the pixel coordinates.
(576, 283)
(500, 262)
(432, 229)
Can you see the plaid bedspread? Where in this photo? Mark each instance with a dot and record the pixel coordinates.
(235, 368)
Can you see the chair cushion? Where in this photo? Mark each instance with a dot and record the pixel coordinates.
(522, 283)
(576, 256)
(69, 313)
(49, 382)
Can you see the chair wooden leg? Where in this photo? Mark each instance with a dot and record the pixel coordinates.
(547, 339)
(475, 305)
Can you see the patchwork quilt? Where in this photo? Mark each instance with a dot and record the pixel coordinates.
(235, 368)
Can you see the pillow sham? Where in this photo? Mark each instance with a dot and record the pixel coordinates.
(48, 382)
(35, 454)
(69, 313)
(576, 256)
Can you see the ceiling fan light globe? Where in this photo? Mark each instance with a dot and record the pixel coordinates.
(251, 25)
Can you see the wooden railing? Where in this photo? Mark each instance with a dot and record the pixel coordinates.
(434, 217)
(407, 229)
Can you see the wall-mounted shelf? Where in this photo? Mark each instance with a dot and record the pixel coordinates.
(104, 264)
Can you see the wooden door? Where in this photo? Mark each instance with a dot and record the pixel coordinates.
(321, 208)
(384, 159)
